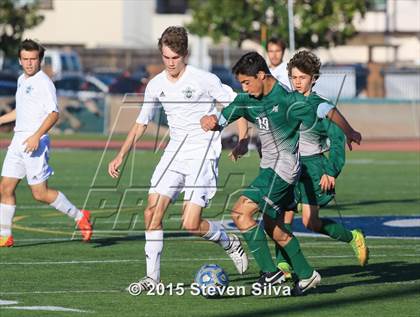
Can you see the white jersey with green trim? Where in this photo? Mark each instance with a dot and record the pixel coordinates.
(185, 102)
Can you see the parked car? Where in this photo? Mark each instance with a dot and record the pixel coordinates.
(226, 77)
(82, 87)
(58, 63)
(107, 76)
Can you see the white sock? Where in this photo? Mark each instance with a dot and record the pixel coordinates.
(61, 203)
(153, 249)
(6, 218)
(217, 234)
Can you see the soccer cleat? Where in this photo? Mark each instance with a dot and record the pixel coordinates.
(237, 253)
(304, 285)
(6, 241)
(85, 226)
(271, 278)
(145, 284)
(358, 244)
(286, 269)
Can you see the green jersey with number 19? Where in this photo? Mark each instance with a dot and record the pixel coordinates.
(278, 117)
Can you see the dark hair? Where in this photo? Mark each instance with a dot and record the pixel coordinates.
(277, 41)
(250, 64)
(307, 62)
(176, 38)
(31, 45)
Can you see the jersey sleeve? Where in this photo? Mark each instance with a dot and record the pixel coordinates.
(337, 153)
(300, 110)
(233, 111)
(49, 97)
(150, 103)
(220, 92)
(323, 109)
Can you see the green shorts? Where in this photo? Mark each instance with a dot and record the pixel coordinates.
(307, 190)
(272, 194)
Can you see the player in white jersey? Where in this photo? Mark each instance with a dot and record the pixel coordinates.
(27, 156)
(278, 68)
(190, 161)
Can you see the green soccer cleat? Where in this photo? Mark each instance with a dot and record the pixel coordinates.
(358, 244)
(286, 269)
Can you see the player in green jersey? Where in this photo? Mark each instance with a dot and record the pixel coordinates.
(317, 181)
(278, 116)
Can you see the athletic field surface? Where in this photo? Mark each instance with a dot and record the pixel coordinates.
(50, 272)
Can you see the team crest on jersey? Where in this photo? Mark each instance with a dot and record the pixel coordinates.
(188, 92)
(29, 89)
(275, 108)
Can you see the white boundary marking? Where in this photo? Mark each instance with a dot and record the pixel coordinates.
(46, 308)
(185, 260)
(8, 302)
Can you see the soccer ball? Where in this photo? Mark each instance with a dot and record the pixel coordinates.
(210, 278)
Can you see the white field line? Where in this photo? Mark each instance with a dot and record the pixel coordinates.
(46, 308)
(319, 244)
(113, 261)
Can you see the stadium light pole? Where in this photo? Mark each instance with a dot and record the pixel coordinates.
(291, 26)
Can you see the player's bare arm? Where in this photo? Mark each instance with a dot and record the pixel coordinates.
(242, 147)
(133, 136)
(8, 117)
(351, 134)
(32, 143)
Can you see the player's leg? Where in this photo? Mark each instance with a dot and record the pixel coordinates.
(281, 197)
(165, 186)
(7, 209)
(153, 216)
(335, 231)
(12, 172)
(308, 277)
(200, 188)
(215, 232)
(282, 260)
(56, 199)
(254, 235)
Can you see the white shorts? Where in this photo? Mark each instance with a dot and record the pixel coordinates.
(196, 178)
(33, 165)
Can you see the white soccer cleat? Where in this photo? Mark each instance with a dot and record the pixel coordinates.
(304, 285)
(237, 253)
(145, 284)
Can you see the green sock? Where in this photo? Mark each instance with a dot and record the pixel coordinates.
(257, 243)
(335, 230)
(300, 265)
(281, 255)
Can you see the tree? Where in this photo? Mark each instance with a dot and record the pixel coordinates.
(15, 18)
(318, 23)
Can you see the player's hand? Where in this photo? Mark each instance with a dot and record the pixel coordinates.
(354, 136)
(239, 150)
(113, 166)
(208, 123)
(32, 143)
(327, 182)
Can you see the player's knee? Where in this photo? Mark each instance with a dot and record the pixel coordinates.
(149, 212)
(190, 226)
(39, 195)
(311, 224)
(6, 190)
